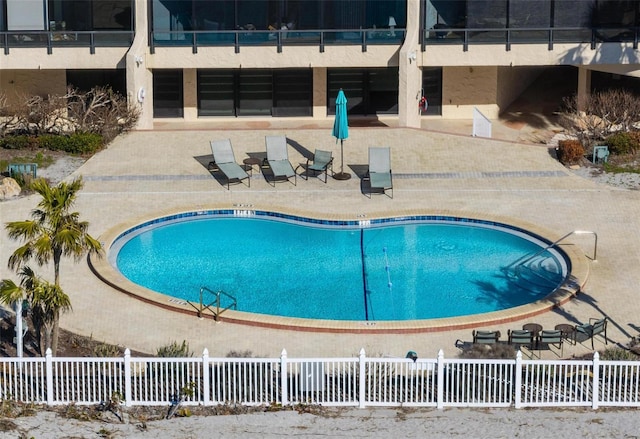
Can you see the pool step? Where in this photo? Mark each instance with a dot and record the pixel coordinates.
(536, 273)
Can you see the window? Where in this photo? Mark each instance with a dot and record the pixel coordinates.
(368, 91)
(167, 93)
(255, 92)
(432, 89)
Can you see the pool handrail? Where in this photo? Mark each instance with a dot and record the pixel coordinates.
(202, 306)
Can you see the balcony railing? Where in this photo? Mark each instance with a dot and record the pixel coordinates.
(539, 35)
(277, 38)
(59, 39)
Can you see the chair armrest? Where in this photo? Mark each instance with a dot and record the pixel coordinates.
(592, 320)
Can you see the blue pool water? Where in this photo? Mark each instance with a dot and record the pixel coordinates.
(397, 269)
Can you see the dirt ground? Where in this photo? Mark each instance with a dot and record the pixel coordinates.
(69, 344)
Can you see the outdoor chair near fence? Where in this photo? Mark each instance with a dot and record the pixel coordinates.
(521, 337)
(549, 338)
(486, 337)
(596, 326)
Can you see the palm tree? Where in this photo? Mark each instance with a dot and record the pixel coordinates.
(53, 232)
(46, 301)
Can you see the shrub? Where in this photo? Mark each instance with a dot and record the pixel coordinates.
(107, 351)
(623, 143)
(619, 354)
(494, 351)
(175, 350)
(78, 143)
(570, 151)
(19, 142)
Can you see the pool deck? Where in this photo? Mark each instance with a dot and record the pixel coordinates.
(165, 170)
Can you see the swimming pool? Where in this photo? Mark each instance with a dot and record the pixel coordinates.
(387, 269)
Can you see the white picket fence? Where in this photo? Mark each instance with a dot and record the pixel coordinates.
(358, 381)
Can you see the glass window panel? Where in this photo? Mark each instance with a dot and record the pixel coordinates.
(614, 13)
(293, 92)
(432, 89)
(255, 93)
(572, 13)
(85, 80)
(112, 14)
(167, 93)
(487, 14)
(25, 15)
(368, 91)
(253, 14)
(529, 13)
(383, 91)
(351, 81)
(216, 93)
(445, 13)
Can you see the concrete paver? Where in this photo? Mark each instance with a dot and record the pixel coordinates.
(146, 172)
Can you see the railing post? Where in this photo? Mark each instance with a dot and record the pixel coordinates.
(362, 379)
(127, 377)
(49, 375)
(440, 382)
(596, 380)
(206, 385)
(283, 378)
(517, 387)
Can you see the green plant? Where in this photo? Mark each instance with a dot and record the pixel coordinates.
(107, 351)
(494, 351)
(77, 143)
(619, 354)
(623, 143)
(570, 151)
(19, 142)
(175, 350)
(54, 232)
(239, 354)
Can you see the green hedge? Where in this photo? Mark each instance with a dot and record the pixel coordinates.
(623, 142)
(79, 143)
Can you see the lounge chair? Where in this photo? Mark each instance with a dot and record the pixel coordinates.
(594, 327)
(379, 173)
(521, 337)
(486, 337)
(551, 337)
(278, 158)
(225, 161)
(322, 162)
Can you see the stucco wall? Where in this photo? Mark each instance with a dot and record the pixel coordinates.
(512, 81)
(18, 83)
(466, 87)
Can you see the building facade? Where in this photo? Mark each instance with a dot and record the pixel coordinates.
(201, 59)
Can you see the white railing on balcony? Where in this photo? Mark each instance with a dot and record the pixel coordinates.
(353, 381)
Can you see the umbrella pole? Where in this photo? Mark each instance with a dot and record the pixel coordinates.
(342, 175)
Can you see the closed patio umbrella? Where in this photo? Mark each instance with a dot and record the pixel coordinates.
(341, 132)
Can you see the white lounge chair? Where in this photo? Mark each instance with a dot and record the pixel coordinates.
(225, 161)
(278, 158)
(379, 173)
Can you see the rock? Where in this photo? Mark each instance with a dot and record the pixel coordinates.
(9, 188)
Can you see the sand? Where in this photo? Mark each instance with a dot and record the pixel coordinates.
(351, 423)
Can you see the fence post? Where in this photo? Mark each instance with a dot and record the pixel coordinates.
(440, 382)
(49, 375)
(596, 380)
(206, 385)
(518, 381)
(283, 377)
(127, 377)
(362, 379)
